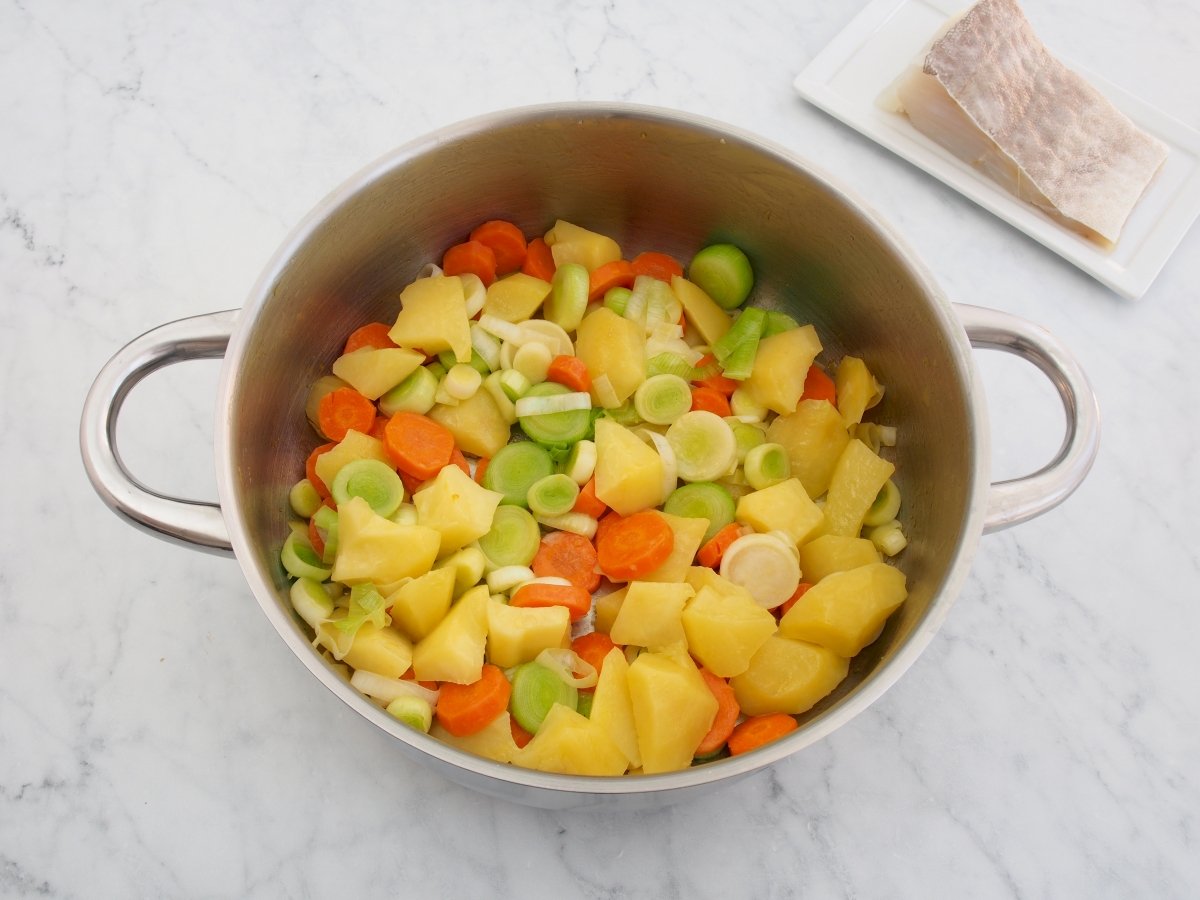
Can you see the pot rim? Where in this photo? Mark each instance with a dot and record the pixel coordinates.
(484, 771)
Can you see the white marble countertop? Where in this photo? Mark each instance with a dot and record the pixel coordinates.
(158, 739)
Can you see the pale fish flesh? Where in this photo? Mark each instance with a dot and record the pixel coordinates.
(991, 93)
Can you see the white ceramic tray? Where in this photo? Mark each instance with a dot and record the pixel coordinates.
(848, 76)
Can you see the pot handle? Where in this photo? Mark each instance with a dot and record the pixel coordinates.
(1020, 499)
(189, 522)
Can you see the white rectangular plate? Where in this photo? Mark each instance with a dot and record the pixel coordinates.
(848, 77)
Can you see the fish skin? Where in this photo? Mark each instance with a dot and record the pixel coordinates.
(1084, 155)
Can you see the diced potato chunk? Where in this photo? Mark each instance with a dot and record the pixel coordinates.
(788, 676)
(494, 741)
(612, 708)
(702, 576)
(782, 507)
(433, 317)
(570, 744)
(518, 634)
(573, 244)
(629, 473)
(373, 372)
(814, 437)
(725, 630)
(614, 347)
(515, 297)
(650, 614)
(607, 607)
(780, 367)
(831, 553)
(382, 650)
(857, 480)
(857, 389)
(673, 709)
(846, 610)
(701, 310)
(478, 425)
(456, 507)
(355, 445)
(418, 605)
(372, 548)
(454, 650)
(689, 533)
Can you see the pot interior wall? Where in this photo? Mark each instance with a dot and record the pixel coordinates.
(651, 184)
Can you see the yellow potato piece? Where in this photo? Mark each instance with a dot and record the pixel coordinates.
(831, 553)
(780, 367)
(494, 741)
(372, 548)
(788, 676)
(516, 297)
(689, 533)
(613, 347)
(381, 650)
(650, 614)
(477, 423)
(518, 634)
(433, 317)
(629, 473)
(814, 437)
(456, 507)
(454, 650)
(846, 611)
(418, 605)
(782, 507)
(373, 372)
(570, 744)
(857, 480)
(573, 244)
(725, 630)
(701, 310)
(612, 707)
(673, 709)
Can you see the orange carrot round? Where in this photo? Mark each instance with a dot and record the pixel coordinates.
(716, 381)
(565, 555)
(634, 546)
(410, 675)
(588, 503)
(726, 717)
(480, 468)
(458, 459)
(373, 334)
(577, 601)
(818, 385)
(473, 257)
(570, 371)
(707, 399)
(344, 410)
(419, 446)
(521, 737)
(314, 538)
(539, 260)
(656, 265)
(756, 731)
(464, 709)
(377, 428)
(711, 553)
(507, 243)
(310, 470)
(592, 648)
(618, 273)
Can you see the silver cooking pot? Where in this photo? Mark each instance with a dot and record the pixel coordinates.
(652, 179)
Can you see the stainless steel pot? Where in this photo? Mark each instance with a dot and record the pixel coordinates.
(652, 179)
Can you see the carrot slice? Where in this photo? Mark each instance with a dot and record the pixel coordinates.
(377, 429)
(458, 459)
(310, 470)
(521, 737)
(577, 601)
(656, 265)
(506, 241)
(464, 709)
(716, 381)
(539, 260)
(726, 717)
(480, 468)
(604, 523)
(570, 371)
(634, 546)
(707, 399)
(618, 273)
(473, 257)
(412, 484)
(710, 554)
(781, 610)
(418, 445)
(818, 385)
(343, 410)
(758, 730)
(314, 538)
(588, 503)
(592, 648)
(373, 334)
(565, 555)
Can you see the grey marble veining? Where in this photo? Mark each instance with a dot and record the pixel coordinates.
(158, 739)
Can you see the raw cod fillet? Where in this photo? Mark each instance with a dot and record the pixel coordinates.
(991, 93)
